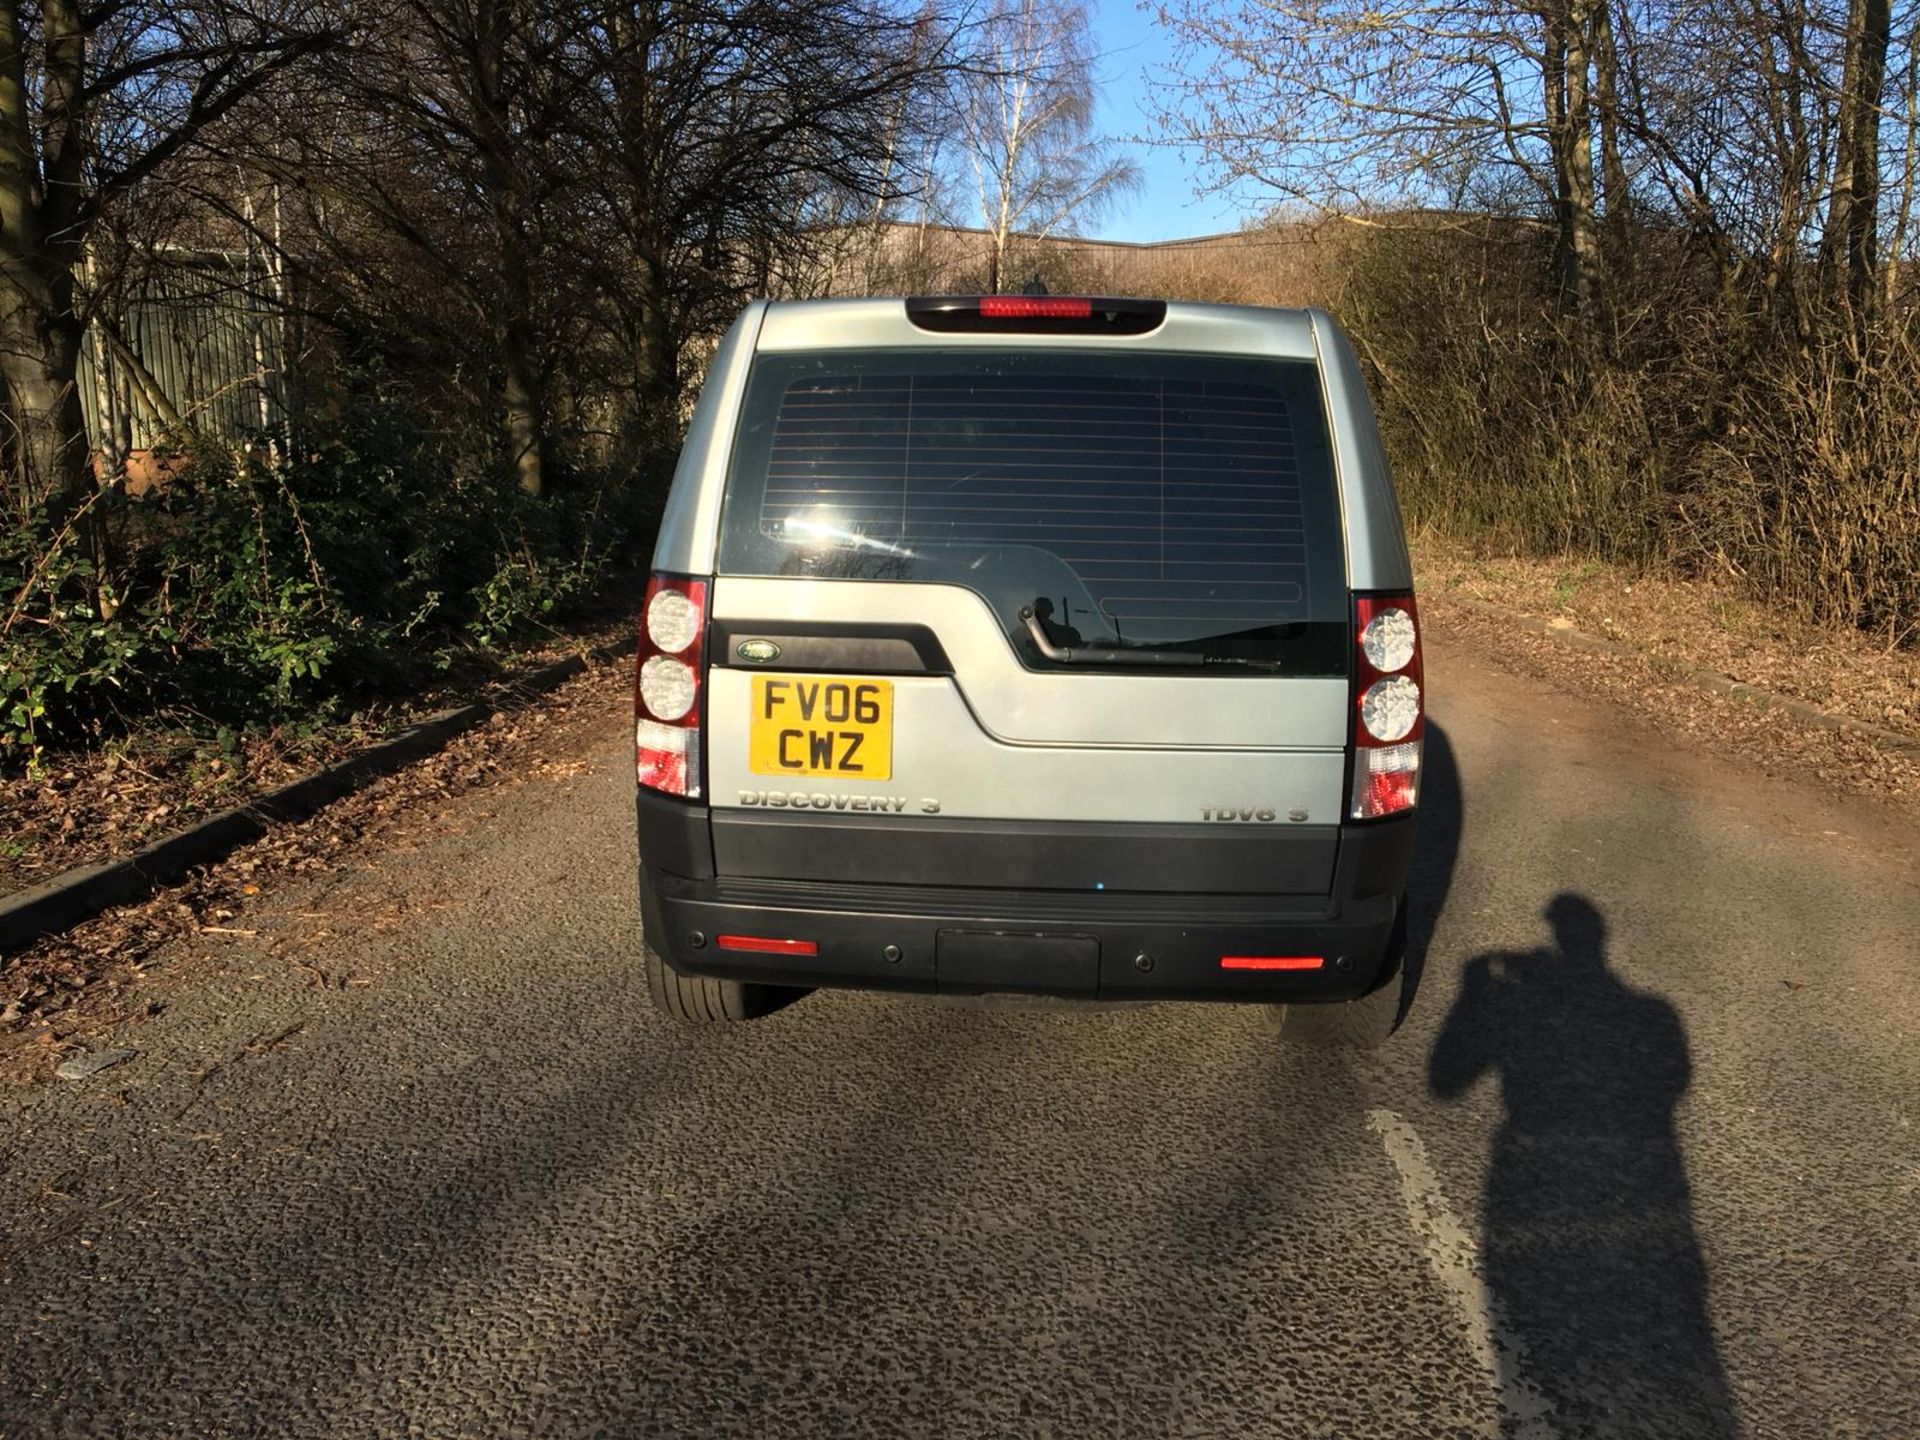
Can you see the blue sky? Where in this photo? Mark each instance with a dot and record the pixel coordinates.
(1129, 41)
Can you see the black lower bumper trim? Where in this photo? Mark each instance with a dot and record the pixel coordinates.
(1142, 947)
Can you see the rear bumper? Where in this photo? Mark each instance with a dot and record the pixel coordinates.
(953, 939)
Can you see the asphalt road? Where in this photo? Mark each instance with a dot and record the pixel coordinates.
(1644, 1161)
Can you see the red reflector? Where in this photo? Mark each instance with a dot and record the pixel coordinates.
(1272, 962)
(1035, 307)
(761, 945)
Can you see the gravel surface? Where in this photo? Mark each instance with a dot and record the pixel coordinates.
(402, 1151)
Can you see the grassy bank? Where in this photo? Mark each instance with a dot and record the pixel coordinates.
(1685, 625)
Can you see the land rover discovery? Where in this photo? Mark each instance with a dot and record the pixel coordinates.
(1031, 644)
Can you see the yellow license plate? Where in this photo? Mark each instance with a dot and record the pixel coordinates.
(821, 725)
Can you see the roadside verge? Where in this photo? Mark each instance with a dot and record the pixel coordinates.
(79, 894)
(1700, 678)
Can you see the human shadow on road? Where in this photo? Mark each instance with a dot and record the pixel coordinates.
(1594, 1275)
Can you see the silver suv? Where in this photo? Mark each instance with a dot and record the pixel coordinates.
(1029, 643)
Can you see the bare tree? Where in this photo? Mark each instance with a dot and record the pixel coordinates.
(549, 203)
(1853, 207)
(431, 165)
(733, 143)
(1026, 127)
(1736, 385)
(94, 101)
(1906, 170)
(1327, 102)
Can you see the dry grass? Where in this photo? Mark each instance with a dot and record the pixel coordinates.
(1769, 740)
(1668, 628)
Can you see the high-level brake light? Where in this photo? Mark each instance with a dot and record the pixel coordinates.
(1035, 314)
(666, 686)
(1389, 706)
(1036, 307)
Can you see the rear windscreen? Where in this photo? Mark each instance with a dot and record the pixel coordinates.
(1145, 502)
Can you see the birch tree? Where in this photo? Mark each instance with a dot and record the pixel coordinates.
(1026, 127)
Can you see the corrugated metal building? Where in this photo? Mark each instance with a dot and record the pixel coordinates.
(201, 343)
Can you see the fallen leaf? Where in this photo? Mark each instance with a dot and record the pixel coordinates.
(81, 1066)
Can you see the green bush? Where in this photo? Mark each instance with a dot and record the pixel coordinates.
(59, 657)
(245, 592)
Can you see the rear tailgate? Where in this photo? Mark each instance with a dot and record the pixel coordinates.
(913, 541)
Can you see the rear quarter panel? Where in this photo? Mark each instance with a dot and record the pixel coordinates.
(1376, 537)
(690, 524)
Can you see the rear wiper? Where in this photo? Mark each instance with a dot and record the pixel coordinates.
(1102, 655)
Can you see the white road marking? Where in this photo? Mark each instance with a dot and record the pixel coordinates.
(1454, 1258)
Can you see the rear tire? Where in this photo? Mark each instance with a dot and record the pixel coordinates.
(1363, 1024)
(697, 1000)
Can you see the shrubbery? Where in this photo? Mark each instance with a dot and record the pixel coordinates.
(246, 590)
(1714, 428)
(1706, 434)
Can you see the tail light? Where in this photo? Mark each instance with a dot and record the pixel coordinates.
(669, 680)
(1389, 706)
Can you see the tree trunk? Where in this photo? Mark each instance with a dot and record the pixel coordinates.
(526, 450)
(1582, 228)
(656, 368)
(1785, 77)
(1606, 94)
(1903, 212)
(647, 325)
(46, 444)
(1853, 208)
(523, 386)
(1554, 87)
